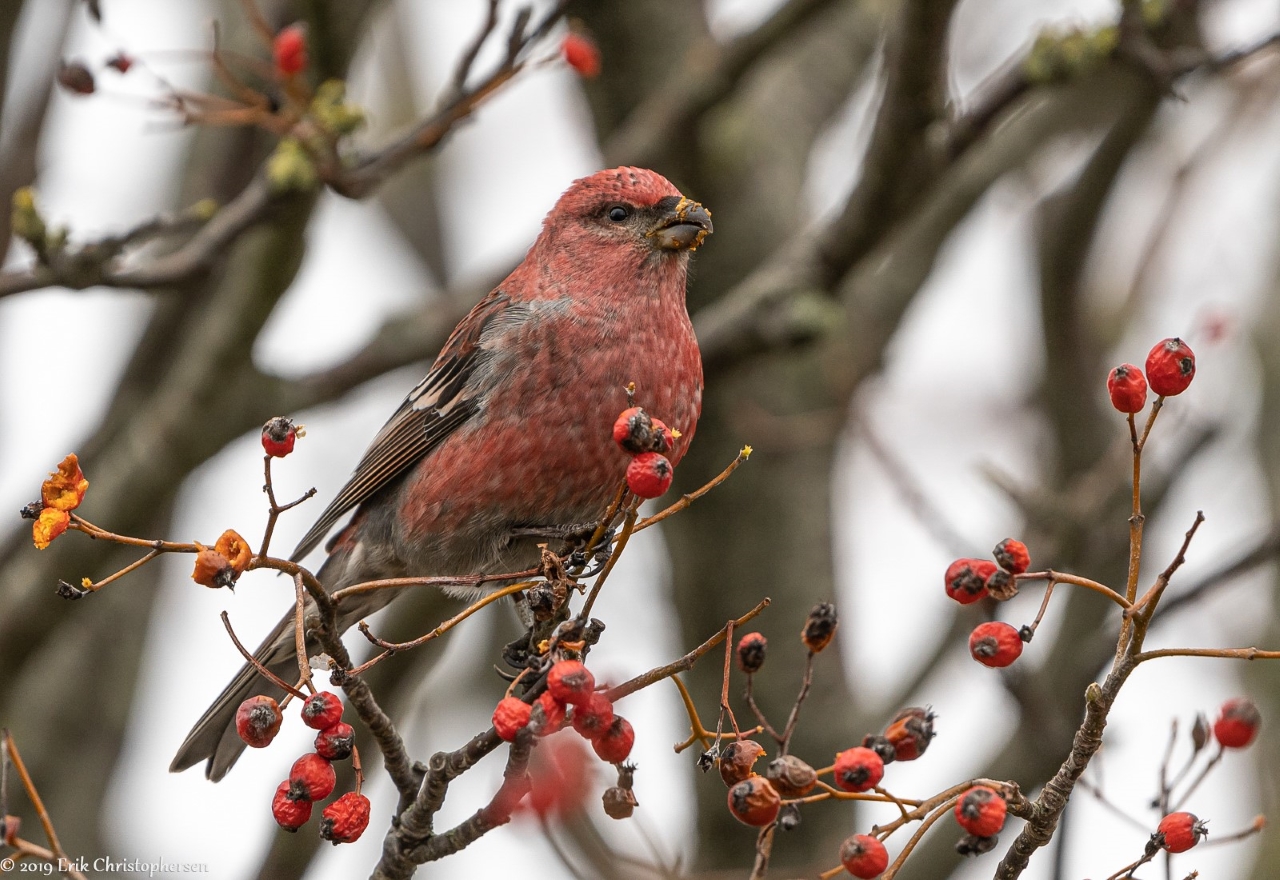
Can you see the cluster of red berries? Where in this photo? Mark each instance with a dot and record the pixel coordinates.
(312, 777)
(647, 440)
(1171, 366)
(279, 435)
(572, 700)
(995, 643)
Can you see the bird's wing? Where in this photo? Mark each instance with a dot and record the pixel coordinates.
(434, 409)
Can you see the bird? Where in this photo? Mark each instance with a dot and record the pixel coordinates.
(509, 435)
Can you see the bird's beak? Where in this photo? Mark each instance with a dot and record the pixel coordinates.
(682, 228)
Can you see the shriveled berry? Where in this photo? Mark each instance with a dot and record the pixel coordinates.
(753, 801)
(1171, 366)
(593, 717)
(344, 820)
(858, 769)
(973, 845)
(966, 579)
(790, 776)
(321, 710)
(1178, 832)
(619, 802)
(881, 746)
(289, 50)
(981, 811)
(311, 778)
(1128, 388)
(213, 570)
(819, 627)
(910, 732)
(737, 759)
(336, 743)
(258, 721)
(1238, 723)
(995, 644)
(582, 54)
(1001, 585)
(289, 812)
(614, 745)
(547, 716)
(1012, 556)
(278, 436)
(863, 856)
(649, 474)
(570, 682)
(751, 652)
(511, 716)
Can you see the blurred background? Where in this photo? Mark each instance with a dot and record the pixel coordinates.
(938, 225)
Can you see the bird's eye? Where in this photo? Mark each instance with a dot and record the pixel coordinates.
(618, 213)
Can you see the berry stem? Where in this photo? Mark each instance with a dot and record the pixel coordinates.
(1152, 595)
(758, 712)
(805, 685)
(686, 500)
(275, 509)
(57, 854)
(1076, 580)
(1044, 604)
(132, 566)
(937, 814)
(253, 661)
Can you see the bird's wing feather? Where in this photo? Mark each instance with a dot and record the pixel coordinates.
(434, 409)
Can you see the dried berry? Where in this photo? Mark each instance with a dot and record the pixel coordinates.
(819, 627)
(1012, 556)
(649, 474)
(289, 50)
(344, 820)
(258, 721)
(289, 812)
(619, 802)
(311, 778)
(755, 802)
(751, 652)
(278, 436)
(791, 777)
(910, 733)
(973, 845)
(336, 743)
(582, 54)
(614, 745)
(510, 717)
(1171, 366)
(966, 579)
(1178, 832)
(570, 682)
(995, 644)
(65, 488)
(1128, 388)
(322, 709)
(51, 523)
(1001, 585)
(981, 811)
(863, 856)
(213, 570)
(858, 769)
(738, 759)
(1237, 724)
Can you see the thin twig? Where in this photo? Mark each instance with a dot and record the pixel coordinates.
(57, 853)
(257, 664)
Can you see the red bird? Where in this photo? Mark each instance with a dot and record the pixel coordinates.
(510, 431)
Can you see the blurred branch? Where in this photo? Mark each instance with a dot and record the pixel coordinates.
(1263, 553)
(709, 74)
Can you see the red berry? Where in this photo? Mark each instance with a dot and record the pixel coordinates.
(614, 745)
(311, 778)
(336, 743)
(910, 733)
(981, 811)
(633, 430)
(1171, 366)
(258, 721)
(1128, 388)
(570, 682)
(751, 651)
(1237, 724)
(511, 716)
(858, 769)
(547, 716)
(1012, 556)
(995, 644)
(966, 579)
(649, 474)
(559, 777)
(581, 53)
(289, 50)
(737, 759)
(321, 710)
(289, 812)
(863, 856)
(344, 820)
(663, 438)
(1178, 832)
(278, 436)
(753, 801)
(593, 717)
